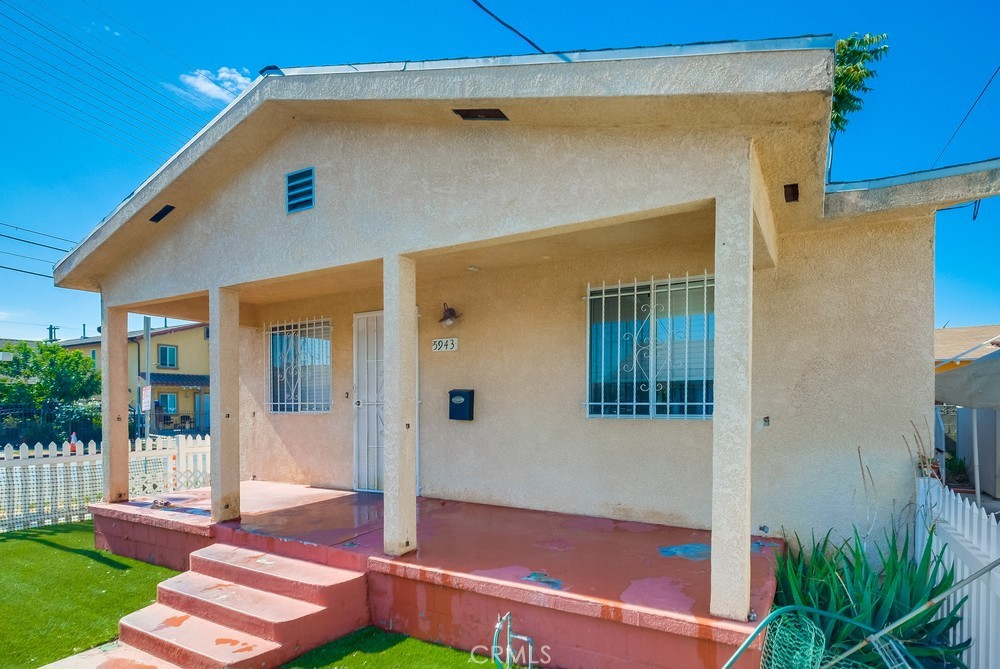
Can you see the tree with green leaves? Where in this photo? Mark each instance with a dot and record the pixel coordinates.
(853, 60)
(45, 373)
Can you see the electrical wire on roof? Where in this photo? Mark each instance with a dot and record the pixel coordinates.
(964, 118)
(508, 26)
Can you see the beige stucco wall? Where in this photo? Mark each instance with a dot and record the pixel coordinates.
(842, 325)
(457, 185)
(839, 362)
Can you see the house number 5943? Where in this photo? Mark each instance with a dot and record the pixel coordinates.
(449, 344)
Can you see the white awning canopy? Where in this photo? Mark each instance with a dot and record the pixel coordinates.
(975, 386)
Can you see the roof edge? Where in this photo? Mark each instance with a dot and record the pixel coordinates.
(925, 189)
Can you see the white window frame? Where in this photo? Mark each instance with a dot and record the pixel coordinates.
(160, 348)
(302, 398)
(648, 351)
(164, 408)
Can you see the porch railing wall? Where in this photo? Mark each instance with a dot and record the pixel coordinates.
(970, 539)
(45, 485)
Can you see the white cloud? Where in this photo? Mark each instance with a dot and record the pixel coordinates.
(221, 86)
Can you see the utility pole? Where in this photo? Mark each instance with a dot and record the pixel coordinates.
(52, 332)
(149, 374)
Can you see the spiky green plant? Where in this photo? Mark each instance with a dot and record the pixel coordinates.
(874, 588)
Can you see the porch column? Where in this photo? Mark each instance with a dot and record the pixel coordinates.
(732, 422)
(224, 370)
(400, 404)
(115, 391)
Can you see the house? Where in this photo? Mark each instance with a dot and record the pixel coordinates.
(179, 379)
(661, 315)
(956, 347)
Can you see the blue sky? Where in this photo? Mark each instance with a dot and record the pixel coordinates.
(59, 179)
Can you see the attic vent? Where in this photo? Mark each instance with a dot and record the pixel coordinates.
(300, 193)
(481, 114)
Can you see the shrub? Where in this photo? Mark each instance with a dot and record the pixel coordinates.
(876, 590)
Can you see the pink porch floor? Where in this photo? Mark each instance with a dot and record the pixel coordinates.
(652, 577)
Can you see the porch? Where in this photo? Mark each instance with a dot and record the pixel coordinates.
(593, 591)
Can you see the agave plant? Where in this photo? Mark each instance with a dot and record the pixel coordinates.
(875, 588)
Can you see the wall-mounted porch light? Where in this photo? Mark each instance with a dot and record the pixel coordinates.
(449, 316)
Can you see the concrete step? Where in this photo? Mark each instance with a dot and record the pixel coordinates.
(112, 655)
(264, 614)
(196, 643)
(298, 579)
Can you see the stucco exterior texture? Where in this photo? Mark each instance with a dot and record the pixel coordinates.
(824, 326)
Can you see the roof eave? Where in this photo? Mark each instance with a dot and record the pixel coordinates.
(289, 87)
(924, 191)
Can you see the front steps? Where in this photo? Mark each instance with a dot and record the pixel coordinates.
(240, 608)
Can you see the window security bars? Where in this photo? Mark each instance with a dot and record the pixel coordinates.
(300, 367)
(651, 347)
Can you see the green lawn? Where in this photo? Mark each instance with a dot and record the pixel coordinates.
(372, 648)
(59, 595)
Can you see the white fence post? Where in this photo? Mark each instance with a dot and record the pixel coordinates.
(44, 485)
(970, 539)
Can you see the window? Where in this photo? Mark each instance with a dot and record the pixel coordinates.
(300, 369)
(206, 332)
(300, 191)
(166, 355)
(93, 356)
(168, 403)
(651, 349)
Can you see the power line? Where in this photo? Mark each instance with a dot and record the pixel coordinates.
(141, 142)
(140, 36)
(36, 232)
(24, 271)
(18, 255)
(172, 110)
(97, 133)
(125, 55)
(964, 118)
(113, 108)
(28, 241)
(508, 26)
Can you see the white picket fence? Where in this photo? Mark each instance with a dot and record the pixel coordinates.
(44, 485)
(971, 540)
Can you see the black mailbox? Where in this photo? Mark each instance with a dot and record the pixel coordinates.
(461, 404)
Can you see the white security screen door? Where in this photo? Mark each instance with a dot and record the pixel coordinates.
(368, 426)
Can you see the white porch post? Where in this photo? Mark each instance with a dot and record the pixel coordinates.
(400, 404)
(115, 390)
(224, 368)
(732, 421)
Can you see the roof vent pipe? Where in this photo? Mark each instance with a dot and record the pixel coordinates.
(271, 70)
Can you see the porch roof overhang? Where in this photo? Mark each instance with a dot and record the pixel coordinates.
(769, 84)
(177, 380)
(915, 193)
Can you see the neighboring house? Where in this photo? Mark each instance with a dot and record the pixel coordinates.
(180, 379)
(665, 312)
(956, 347)
(971, 387)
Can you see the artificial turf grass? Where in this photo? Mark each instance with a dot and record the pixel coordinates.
(59, 595)
(372, 648)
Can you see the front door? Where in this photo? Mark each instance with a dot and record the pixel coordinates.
(368, 428)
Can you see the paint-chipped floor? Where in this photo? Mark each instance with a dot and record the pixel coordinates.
(656, 567)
